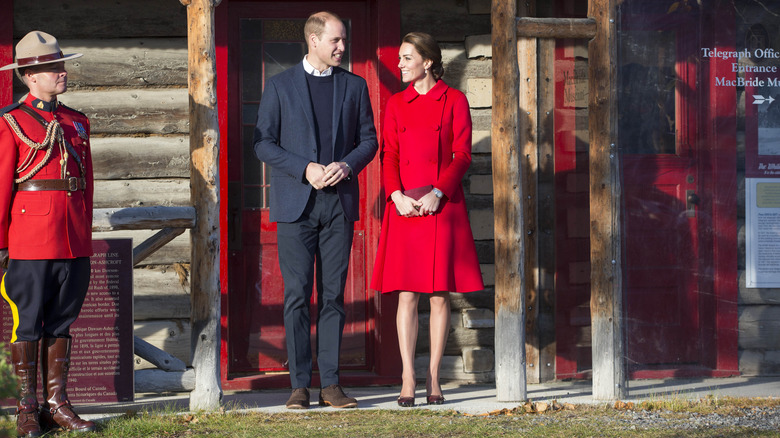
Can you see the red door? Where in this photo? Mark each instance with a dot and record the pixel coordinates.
(658, 119)
(676, 140)
(258, 40)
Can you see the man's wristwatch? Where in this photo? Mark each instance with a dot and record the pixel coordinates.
(438, 193)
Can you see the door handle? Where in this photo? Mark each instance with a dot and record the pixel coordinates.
(691, 201)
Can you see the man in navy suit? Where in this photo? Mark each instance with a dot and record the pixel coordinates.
(315, 129)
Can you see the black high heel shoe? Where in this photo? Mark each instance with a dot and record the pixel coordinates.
(406, 402)
(435, 399)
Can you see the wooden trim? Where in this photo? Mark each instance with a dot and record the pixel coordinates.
(6, 51)
(532, 27)
(204, 155)
(507, 207)
(606, 303)
(387, 23)
(545, 301)
(529, 168)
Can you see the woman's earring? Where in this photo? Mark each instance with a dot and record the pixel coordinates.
(426, 72)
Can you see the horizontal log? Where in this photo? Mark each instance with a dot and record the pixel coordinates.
(159, 381)
(171, 336)
(163, 281)
(142, 218)
(459, 336)
(160, 294)
(140, 157)
(101, 19)
(452, 369)
(142, 192)
(127, 62)
(155, 356)
(758, 327)
(133, 111)
(759, 362)
(177, 251)
(532, 27)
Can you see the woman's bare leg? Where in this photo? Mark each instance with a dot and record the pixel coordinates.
(439, 330)
(406, 324)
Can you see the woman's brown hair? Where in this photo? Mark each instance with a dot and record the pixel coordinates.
(429, 49)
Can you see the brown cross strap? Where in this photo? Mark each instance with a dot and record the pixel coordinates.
(69, 185)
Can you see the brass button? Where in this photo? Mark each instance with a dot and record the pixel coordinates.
(24, 211)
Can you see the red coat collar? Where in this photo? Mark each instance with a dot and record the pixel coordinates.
(434, 93)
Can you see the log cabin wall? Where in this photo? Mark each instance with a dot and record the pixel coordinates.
(462, 29)
(132, 83)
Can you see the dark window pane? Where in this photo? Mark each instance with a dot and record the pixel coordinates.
(251, 70)
(253, 197)
(249, 114)
(646, 96)
(251, 29)
(278, 57)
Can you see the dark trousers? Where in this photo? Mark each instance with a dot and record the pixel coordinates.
(322, 234)
(45, 296)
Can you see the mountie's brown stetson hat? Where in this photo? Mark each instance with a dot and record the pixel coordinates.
(38, 48)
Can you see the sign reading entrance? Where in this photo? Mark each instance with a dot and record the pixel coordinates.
(102, 353)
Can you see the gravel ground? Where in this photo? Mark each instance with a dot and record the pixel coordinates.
(758, 418)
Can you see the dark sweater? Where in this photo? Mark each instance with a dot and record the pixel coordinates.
(321, 90)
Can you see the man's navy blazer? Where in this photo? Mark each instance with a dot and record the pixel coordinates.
(286, 140)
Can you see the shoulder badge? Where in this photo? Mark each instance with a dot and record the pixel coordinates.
(10, 108)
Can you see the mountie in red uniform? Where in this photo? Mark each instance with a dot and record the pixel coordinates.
(46, 191)
(38, 220)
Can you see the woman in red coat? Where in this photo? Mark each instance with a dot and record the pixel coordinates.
(426, 245)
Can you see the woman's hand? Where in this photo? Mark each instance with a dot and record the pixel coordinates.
(407, 207)
(429, 204)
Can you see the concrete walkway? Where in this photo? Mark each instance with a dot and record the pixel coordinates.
(472, 399)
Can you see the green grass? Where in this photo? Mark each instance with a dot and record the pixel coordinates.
(581, 421)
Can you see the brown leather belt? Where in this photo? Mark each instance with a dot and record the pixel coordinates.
(69, 185)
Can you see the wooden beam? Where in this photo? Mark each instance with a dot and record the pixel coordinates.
(507, 207)
(545, 300)
(142, 218)
(163, 360)
(204, 153)
(159, 381)
(152, 244)
(529, 168)
(532, 27)
(606, 302)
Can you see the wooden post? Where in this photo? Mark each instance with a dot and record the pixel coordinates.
(204, 182)
(507, 207)
(545, 300)
(529, 167)
(606, 302)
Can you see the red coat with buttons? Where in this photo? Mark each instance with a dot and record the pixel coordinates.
(427, 140)
(38, 225)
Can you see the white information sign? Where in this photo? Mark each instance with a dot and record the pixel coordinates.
(762, 232)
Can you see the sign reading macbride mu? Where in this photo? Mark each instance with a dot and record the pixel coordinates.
(741, 65)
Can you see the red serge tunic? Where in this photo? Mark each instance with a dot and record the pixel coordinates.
(38, 225)
(427, 140)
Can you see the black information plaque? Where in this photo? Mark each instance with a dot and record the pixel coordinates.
(102, 353)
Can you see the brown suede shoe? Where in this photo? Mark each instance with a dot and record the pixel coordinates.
(334, 396)
(299, 399)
